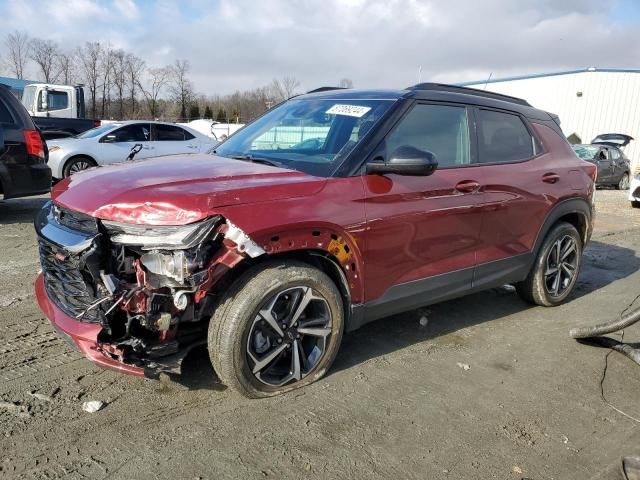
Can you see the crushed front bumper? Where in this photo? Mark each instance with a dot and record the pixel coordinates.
(81, 335)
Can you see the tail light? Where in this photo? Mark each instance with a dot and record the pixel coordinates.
(34, 143)
(96, 123)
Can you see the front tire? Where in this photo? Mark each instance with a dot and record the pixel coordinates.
(555, 271)
(77, 164)
(623, 184)
(635, 204)
(277, 328)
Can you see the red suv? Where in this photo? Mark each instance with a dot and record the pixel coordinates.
(333, 209)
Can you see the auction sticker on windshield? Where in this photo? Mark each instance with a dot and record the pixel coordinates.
(349, 110)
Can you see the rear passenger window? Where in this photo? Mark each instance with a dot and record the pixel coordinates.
(169, 133)
(503, 137)
(5, 115)
(440, 129)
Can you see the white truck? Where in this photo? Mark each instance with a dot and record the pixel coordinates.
(57, 110)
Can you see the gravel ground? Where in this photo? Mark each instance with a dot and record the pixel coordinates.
(399, 402)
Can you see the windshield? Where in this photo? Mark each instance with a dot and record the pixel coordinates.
(585, 152)
(94, 132)
(27, 97)
(310, 135)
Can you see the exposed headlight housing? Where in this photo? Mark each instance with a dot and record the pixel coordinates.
(149, 237)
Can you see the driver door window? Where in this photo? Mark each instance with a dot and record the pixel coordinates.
(56, 100)
(440, 129)
(115, 146)
(139, 132)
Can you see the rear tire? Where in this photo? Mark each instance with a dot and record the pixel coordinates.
(556, 268)
(277, 328)
(77, 164)
(623, 184)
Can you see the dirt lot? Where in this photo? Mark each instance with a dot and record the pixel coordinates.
(395, 405)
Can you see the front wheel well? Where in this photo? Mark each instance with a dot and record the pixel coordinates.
(75, 157)
(319, 259)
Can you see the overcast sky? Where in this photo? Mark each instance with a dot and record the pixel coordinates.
(240, 44)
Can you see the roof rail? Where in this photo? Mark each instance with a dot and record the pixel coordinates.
(469, 91)
(325, 89)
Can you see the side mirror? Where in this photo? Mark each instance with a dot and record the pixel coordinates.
(406, 160)
(109, 138)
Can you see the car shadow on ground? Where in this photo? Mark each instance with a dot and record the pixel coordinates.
(198, 373)
(21, 210)
(603, 264)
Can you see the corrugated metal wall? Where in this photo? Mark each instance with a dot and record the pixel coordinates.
(610, 102)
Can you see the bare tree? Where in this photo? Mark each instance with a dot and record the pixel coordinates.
(89, 56)
(289, 85)
(106, 61)
(157, 80)
(17, 44)
(119, 75)
(135, 68)
(180, 86)
(346, 83)
(66, 68)
(44, 54)
(283, 89)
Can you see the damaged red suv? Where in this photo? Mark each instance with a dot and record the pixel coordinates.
(333, 209)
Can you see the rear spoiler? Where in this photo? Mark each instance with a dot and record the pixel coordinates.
(555, 118)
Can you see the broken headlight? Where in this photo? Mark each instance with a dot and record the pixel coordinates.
(149, 237)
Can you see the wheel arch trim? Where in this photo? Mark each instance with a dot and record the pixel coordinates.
(564, 208)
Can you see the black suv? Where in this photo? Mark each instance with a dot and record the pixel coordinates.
(23, 152)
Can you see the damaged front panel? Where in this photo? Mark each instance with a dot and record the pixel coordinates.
(148, 287)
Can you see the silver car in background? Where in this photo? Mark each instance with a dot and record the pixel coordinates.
(112, 143)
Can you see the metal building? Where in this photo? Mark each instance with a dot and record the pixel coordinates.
(589, 102)
(15, 85)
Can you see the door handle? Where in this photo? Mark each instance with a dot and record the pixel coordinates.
(467, 186)
(147, 147)
(550, 178)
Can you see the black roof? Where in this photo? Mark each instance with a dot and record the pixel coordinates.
(339, 92)
(441, 87)
(437, 92)
(354, 94)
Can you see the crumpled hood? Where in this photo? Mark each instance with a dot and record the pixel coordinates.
(178, 189)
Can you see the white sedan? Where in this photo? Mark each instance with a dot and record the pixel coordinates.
(112, 143)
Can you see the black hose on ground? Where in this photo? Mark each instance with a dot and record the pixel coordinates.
(629, 350)
(604, 328)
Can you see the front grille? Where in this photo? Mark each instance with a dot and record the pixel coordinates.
(67, 284)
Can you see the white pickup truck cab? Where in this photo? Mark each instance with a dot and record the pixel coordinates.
(58, 101)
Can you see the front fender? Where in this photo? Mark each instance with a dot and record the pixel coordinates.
(327, 238)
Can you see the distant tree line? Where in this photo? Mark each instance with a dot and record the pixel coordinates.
(120, 85)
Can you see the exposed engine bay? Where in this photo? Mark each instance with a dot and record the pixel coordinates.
(151, 288)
